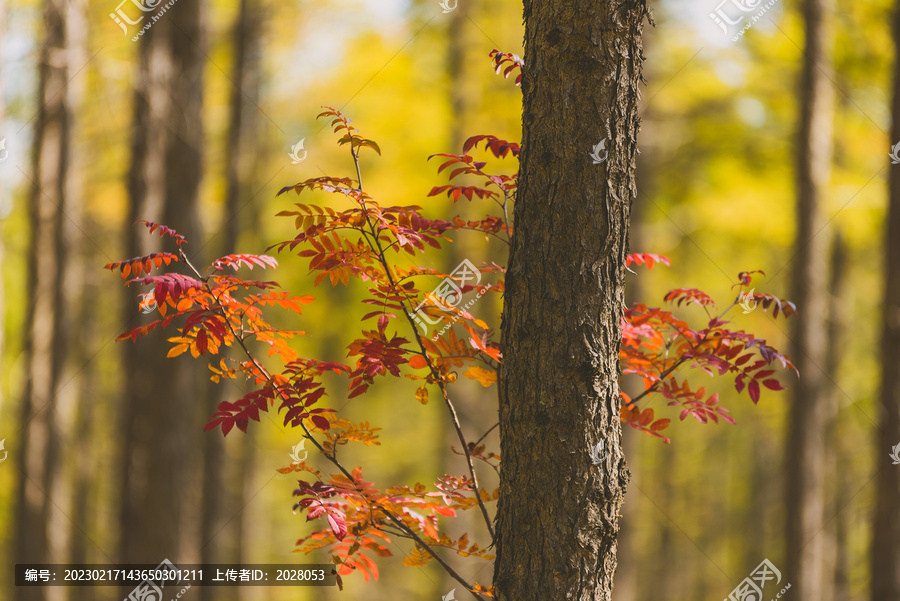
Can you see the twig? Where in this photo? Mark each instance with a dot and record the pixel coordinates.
(440, 382)
(430, 551)
(308, 435)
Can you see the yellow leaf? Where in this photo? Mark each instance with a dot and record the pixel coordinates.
(176, 350)
(416, 558)
(422, 395)
(485, 376)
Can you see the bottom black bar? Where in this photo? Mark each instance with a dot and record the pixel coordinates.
(167, 575)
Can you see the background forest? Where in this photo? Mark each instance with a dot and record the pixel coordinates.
(86, 142)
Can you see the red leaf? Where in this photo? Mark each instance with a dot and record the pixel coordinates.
(753, 390)
(338, 523)
(773, 384)
(201, 341)
(660, 424)
(320, 422)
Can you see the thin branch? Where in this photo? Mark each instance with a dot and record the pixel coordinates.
(440, 382)
(665, 374)
(308, 435)
(483, 436)
(430, 551)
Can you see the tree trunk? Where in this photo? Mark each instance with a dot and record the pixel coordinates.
(805, 485)
(221, 500)
(838, 492)
(885, 559)
(557, 519)
(37, 453)
(161, 425)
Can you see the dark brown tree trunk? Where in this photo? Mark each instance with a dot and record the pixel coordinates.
(46, 321)
(885, 559)
(161, 419)
(805, 477)
(557, 519)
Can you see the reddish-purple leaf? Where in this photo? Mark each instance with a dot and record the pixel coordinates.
(753, 390)
(773, 384)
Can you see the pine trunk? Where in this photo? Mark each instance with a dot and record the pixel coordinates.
(557, 520)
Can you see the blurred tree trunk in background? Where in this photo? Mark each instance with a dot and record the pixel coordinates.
(807, 544)
(456, 66)
(662, 564)
(222, 541)
(839, 489)
(162, 422)
(885, 558)
(557, 518)
(48, 321)
(243, 117)
(73, 525)
(477, 409)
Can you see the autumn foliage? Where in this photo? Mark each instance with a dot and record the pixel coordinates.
(224, 317)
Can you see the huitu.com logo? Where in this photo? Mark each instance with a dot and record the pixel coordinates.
(735, 13)
(144, 6)
(747, 301)
(598, 148)
(597, 454)
(751, 588)
(295, 453)
(295, 152)
(448, 296)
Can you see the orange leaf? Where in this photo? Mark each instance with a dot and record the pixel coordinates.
(176, 350)
(418, 362)
(485, 376)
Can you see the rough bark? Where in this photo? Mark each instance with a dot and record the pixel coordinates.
(160, 414)
(885, 555)
(557, 518)
(805, 474)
